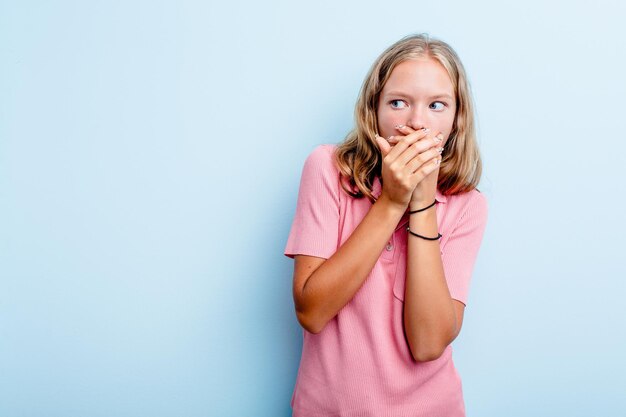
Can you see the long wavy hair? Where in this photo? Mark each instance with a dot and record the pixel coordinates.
(358, 157)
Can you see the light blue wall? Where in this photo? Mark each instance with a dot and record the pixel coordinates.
(150, 155)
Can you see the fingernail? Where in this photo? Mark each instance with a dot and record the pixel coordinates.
(437, 161)
(440, 149)
(439, 138)
(425, 129)
(399, 126)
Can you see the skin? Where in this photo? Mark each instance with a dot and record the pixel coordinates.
(321, 287)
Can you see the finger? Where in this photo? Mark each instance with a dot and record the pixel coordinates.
(437, 139)
(404, 130)
(430, 157)
(411, 152)
(422, 145)
(407, 130)
(383, 145)
(424, 171)
(404, 142)
(418, 148)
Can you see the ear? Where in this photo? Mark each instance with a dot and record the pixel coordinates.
(383, 145)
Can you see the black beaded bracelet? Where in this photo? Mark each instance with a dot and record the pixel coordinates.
(425, 208)
(423, 237)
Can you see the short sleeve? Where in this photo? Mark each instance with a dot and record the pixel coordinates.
(315, 227)
(461, 250)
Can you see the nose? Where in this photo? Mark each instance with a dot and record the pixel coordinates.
(417, 119)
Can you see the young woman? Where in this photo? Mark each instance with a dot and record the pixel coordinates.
(387, 229)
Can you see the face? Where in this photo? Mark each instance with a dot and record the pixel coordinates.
(418, 94)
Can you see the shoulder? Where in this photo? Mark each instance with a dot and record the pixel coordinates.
(469, 204)
(320, 168)
(322, 159)
(322, 154)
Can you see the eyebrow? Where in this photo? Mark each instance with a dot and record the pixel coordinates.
(398, 93)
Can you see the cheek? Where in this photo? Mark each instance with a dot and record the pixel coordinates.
(446, 126)
(387, 120)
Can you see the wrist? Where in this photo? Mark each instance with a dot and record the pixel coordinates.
(393, 207)
(419, 204)
(424, 223)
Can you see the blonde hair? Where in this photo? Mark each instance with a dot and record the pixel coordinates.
(358, 156)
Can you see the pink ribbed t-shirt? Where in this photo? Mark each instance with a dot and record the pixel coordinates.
(360, 365)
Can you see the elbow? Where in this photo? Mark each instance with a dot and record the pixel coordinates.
(426, 347)
(426, 356)
(308, 324)
(427, 353)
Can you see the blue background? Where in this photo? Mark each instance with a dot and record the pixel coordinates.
(150, 155)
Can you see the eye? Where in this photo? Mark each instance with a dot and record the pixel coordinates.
(398, 104)
(442, 105)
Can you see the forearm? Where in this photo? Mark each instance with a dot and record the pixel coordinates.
(429, 316)
(331, 286)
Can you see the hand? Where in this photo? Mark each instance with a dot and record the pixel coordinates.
(424, 192)
(407, 161)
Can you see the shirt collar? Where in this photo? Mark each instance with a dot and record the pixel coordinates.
(376, 188)
(440, 197)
